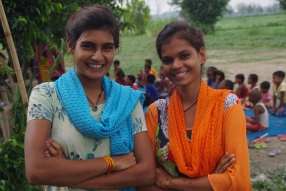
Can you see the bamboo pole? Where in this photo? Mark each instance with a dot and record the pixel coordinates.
(14, 56)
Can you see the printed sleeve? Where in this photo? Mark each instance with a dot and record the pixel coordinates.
(138, 119)
(152, 123)
(237, 176)
(41, 102)
(230, 100)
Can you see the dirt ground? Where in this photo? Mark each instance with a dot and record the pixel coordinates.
(263, 161)
(269, 61)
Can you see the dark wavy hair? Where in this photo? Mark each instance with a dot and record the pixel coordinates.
(182, 30)
(90, 18)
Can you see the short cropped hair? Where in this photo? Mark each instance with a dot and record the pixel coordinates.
(150, 78)
(279, 73)
(265, 85)
(240, 76)
(253, 77)
(117, 62)
(131, 78)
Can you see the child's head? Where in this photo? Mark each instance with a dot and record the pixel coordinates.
(227, 84)
(264, 86)
(252, 79)
(130, 80)
(210, 73)
(120, 75)
(147, 68)
(239, 78)
(219, 74)
(148, 61)
(150, 79)
(254, 96)
(116, 64)
(278, 77)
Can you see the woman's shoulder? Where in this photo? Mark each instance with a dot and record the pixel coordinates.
(230, 100)
(44, 86)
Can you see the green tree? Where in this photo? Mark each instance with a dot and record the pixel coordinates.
(202, 13)
(138, 14)
(282, 4)
(34, 22)
(27, 20)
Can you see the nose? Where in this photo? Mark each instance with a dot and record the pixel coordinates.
(97, 56)
(177, 64)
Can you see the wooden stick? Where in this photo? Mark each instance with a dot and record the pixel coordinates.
(262, 136)
(14, 56)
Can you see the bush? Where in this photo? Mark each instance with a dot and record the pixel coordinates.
(275, 180)
(12, 168)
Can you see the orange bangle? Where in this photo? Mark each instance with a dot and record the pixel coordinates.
(110, 163)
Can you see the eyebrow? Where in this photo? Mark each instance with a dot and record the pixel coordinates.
(91, 43)
(177, 54)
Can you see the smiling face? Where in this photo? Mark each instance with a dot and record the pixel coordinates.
(93, 54)
(181, 62)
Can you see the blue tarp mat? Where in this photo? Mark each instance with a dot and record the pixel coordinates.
(277, 125)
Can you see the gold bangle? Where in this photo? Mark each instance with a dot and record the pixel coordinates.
(110, 163)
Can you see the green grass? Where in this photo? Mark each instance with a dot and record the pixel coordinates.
(243, 39)
(251, 21)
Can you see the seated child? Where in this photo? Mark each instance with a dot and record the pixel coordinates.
(227, 84)
(162, 85)
(266, 96)
(219, 77)
(210, 76)
(150, 88)
(260, 120)
(153, 70)
(279, 89)
(120, 77)
(242, 90)
(252, 81)
(130, 80)
(142, 76)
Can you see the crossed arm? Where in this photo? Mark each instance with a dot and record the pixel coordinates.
(132, 170)
(228, 175)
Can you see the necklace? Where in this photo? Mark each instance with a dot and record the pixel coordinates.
(94, 105)
(190, 106)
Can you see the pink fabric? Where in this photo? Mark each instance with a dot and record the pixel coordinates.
(267, 96)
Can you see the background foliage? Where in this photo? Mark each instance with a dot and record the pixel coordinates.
(202, 13)
(138, 14)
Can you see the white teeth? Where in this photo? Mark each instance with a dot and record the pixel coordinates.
(181, 74)
(95, 65)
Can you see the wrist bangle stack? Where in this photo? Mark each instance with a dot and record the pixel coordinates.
(109, 162)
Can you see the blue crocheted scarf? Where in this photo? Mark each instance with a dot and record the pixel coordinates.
(115, 121)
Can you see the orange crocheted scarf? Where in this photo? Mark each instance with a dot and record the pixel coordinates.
(199, 156)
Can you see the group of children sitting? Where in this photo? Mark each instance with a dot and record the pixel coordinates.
(259, 97)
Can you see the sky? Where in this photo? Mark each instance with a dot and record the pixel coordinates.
(163, 5)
